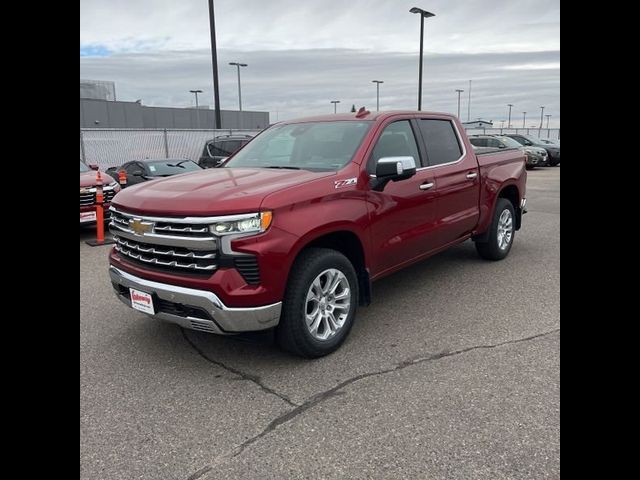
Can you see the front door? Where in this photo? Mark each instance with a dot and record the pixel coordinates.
(403, 214)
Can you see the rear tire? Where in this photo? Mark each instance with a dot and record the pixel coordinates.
(501, 234)
(322, 292)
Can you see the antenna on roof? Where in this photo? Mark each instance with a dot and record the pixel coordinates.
(362, 112)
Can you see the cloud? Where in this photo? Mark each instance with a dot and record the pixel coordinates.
(301, 55)
(294, 83)
(534, 66)
(470, 26)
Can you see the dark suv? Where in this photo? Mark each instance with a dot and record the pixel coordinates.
(528, 141)
(216, 150)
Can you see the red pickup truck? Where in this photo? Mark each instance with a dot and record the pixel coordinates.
(293, 229)
(88, 193)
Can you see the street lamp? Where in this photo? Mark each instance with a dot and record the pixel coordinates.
(196, 92)
(548, 117)
(214, 64)
(236, 64)
(335, 105)
(509, 121)
(524, 118)
(541, 112)
(459, 92)
(377, 82)
(469, 103)
(423, 14)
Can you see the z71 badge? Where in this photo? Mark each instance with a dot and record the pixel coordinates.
(346, 183)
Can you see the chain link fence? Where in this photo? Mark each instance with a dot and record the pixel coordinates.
(111, 147)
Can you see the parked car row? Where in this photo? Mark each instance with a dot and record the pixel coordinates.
(135, 172)
(139, 171)
(539, 152)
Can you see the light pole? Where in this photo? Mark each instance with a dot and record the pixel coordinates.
(524, 118)
(509, 121)
(423, 14)
(236, 64)
(196, 92)
(548, 117)
(377, 82)
(459, 92)
(469, 103)
(214, 64)
(335, 105)
(541, 114)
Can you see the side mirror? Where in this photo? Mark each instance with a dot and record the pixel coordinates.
(93, 166)
(502, 145)
(393, 169)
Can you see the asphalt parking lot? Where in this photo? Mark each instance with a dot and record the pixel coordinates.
(452, 372)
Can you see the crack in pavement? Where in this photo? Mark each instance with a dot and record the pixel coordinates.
(327, 394)
(246, 376)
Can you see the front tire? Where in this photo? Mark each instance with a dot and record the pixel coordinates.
(501, 234)
(319, 305)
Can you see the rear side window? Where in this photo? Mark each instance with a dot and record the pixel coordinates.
(441, 141)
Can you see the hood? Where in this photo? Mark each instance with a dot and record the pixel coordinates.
(88, 179)
(534, 149)
(214, 191)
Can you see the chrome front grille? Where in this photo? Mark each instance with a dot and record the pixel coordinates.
(88, 196)
(190, 230)
(172, 257)
(175, 244)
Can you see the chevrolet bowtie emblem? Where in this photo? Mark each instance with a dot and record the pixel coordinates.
(139, 227)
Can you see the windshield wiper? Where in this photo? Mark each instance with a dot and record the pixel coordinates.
(283, 166)
(179, 164)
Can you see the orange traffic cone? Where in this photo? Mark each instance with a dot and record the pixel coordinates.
(99, 215)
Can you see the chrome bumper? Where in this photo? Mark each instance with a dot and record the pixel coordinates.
(225, 320)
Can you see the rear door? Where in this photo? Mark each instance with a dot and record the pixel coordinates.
(403, 214)
(456, 174)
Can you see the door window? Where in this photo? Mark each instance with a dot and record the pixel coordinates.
(396, 140)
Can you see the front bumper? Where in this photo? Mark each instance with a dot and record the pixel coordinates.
(195, 309)
(93, 208)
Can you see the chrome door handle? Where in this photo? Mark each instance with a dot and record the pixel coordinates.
(426, 186)
(472, 175)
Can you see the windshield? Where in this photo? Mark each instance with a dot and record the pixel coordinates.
(316, 146)
(510, 142)
(162, 168)
(83, 167)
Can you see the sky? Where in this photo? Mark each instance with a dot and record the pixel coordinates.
(301, 55)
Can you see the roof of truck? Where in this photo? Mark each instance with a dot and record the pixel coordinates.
(365, 117)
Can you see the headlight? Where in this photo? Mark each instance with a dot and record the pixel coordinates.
(249, 223)
(528, 150)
